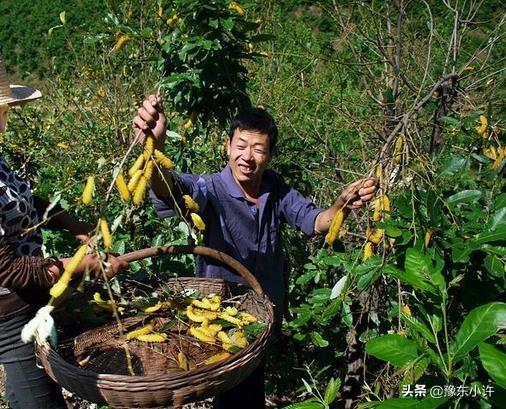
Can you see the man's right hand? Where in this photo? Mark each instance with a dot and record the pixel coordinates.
(150, 121)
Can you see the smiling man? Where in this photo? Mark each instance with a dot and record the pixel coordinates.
(244, 207)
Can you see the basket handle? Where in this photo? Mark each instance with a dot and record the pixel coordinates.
(201, 251)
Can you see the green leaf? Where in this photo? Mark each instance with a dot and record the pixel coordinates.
(402, 403)
(393, 232)
(415, 370)
(480, 158)
(420, 264)
(393, 348)
(414, 279)
(414, 324)
(480, 323)
(433, 204)
(457, 164)
(304, 278)
(450, 121)
(332, 261)
(494, 361)
(494, 266)
(332, 390)
(435, 322)
(465, 196)
(497, 250)
(498, 219)
(365, 281)
(500, 201)
(305, 405)
(346, 316)
(419, 272)
(303, 317)
(490, 236)
(147, 32)
(368, 405)
(299, 337)
(318, 340)
(331, 310)
(227, 24)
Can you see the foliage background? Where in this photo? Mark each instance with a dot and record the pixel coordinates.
(317, 75)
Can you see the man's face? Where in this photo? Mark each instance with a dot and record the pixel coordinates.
(248, 155)
(4, 109)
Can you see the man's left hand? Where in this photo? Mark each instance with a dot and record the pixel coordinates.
(358, 193)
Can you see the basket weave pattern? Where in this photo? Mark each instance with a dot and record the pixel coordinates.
(157, 386)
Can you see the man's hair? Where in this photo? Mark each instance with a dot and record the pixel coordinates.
(256, 120)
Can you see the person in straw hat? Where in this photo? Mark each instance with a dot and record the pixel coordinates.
(26, 276)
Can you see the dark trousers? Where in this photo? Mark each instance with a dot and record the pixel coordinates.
(249, 394)
(27, 386)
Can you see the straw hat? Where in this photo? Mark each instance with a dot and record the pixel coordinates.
(14, 94)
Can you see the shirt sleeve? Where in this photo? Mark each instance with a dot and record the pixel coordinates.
(22, 272)
(298, 211)
(184, 184)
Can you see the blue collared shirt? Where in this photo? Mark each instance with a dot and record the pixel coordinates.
(247, 232)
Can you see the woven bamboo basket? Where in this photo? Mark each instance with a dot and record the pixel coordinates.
(158, 387)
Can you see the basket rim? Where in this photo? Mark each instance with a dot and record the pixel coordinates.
(252, 350)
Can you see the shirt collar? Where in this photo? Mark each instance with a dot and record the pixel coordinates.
(233, 188)
(230, 184)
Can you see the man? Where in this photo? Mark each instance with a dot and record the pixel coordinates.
(244, 207)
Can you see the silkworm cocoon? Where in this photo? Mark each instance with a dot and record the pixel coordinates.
(191, 204)
(106, 233)
(200, 335)
(378, 208)
(134, 181)
(192, 316)
(182, 361)
(149, 147)
(122, 187)
(217, 358)
(386, 204)
(163, 160)
(224, 338)
(368, 251)
(428, 235)
(153, 308)
(88, 190)
(140, 191)
(232, 311)
(198, 222)
(76, 259)
(140, 331)
(482, 128)
(376, 236)
(136, 166)
(157, 337)
(247, 317)
(58, 288)
(334, 228)
(148, 171)
(232, 320)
